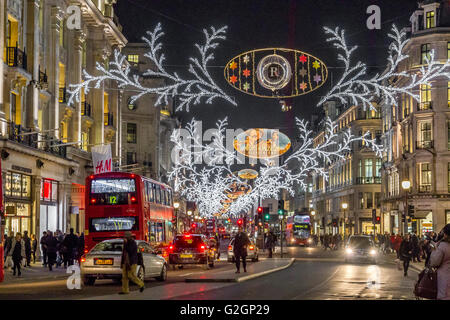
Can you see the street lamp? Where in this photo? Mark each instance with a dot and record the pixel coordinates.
(176, 205)
(313, 213)
(406, 184)
(344, 206)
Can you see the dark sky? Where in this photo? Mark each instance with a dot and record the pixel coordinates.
(254, 24)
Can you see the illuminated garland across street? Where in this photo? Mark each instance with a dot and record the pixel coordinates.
(207, 182)
(354, 88)
(189, 92)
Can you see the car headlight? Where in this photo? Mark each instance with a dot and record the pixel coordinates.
(309, 240)
(348, 251)
(373, 252)
(292, 240)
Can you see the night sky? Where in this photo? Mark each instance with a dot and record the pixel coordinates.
(257, 24)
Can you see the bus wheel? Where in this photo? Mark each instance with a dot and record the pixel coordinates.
(89, 281)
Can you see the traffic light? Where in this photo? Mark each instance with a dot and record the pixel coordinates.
(374, 216)
(280, 205)
(239, 222)
(378, 220)
(411, 211)
(194, 225)
(260, 210)
(266, 217)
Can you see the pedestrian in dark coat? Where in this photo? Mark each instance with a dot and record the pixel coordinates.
(241, 241)
(33, 247)
(43, 243)
(70, 242)
(8, 242)
(129, 263)
(270, 243)
(52, 247)
(415, 248)
(405, 253)
(27, 241)
(80, 250)
(17, 252)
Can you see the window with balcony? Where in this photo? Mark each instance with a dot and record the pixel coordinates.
(378, 169)
(369, 200)
(425, 50)
(377, 199)
(430, 21)
(425, 97)
(425, 177)
(16, 110)
(131, 158)
(368, 171)
(131, 133)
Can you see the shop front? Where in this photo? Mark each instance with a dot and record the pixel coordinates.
(367, 226)
(422, 223)
(49, 218)
(18, 211)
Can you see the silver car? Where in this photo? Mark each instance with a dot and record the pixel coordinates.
(252, 251)
(103, 262)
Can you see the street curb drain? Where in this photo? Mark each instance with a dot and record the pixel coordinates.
(245, 278)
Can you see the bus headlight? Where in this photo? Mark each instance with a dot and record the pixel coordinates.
(373, 252)
(348, 251)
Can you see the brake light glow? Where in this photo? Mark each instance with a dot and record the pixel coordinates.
(85, 250)
(251, 247)
(133, 199)
(187, 235)
(132, 175)
(93, 200)
(91, 176)
(171, 247)
(202, 247)
(83, 259)
(230, 248)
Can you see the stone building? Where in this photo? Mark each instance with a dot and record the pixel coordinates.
(45, 143)
(355, 180)
(417, 134)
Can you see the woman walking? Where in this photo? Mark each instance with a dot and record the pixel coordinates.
(17, 253)
(405, 253)
(33, 247)
(440, 259)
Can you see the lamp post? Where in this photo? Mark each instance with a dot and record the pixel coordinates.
(313, 213)
(406, 184)
(176, 205)
(344, 206)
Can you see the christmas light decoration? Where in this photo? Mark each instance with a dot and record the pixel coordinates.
(208, 183)
(189, 92)
(353, 86)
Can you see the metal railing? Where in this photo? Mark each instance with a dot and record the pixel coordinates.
(425, 144)
(424, 106)
(425, 188)
(18, 133)
(85, 109)
(368, 180)
(16, 57)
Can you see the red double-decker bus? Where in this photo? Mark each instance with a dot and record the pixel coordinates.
(117, 202)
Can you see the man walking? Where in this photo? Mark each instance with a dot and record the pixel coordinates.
(52, 247)
(241, 241)
(17, 253)
(270, 243)
(71, 244)
(405, 253)
(129, 264)
(44, 248)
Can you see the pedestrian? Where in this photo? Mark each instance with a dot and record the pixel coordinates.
(321, 240)
(27, 241)
(270, 243)
(326, 242)
(33, 247)
(415, 248)
(43, 243)
(8, 242)
(405, 253)
(440, 259)
(427, 249)
(241, 241)
(70, 243)
(17, 253)
(52, 247)
(397, 242)
(129, 264)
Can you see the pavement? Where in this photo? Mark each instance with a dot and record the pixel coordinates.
(36, 272)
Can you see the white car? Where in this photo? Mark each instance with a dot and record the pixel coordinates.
(252, 251)
(103, 262)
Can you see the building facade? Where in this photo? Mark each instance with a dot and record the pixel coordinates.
(417, 133)
(45, 142)
(354, 180)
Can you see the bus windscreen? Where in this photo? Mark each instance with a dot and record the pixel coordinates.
(113, 224)
(112, 191)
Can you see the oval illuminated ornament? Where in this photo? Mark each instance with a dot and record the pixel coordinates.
(276, 73)
(247, 174)
(262, 143)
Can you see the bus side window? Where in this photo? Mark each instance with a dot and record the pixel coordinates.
(166, 201)
(152, 192)
(146, 191)
(158, 194)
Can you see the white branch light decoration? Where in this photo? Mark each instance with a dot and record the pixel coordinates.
(190, 92)
(353, 88)
(206, 183)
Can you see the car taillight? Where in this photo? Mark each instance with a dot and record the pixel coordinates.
(133, 199)
(83, 259)
(93, 200)
(202, 247)
(230, 248)
(86, 250)
(251, 247)
(171, 247)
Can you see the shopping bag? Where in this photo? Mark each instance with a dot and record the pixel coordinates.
(426, 285)
(399, 264)
(9, 263)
